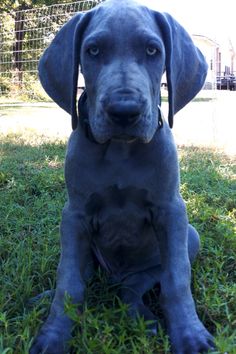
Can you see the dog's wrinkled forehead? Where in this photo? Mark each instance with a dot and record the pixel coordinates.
(125, 17)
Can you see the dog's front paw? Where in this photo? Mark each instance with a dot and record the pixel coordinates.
(50, 341)
(193, 339)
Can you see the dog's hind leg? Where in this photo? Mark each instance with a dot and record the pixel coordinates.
(193, 243)
(132, 291)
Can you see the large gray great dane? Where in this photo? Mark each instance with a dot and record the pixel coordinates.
(124, 205)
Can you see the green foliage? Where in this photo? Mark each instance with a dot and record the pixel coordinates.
(14, 5)
(5, 86)
(23, 36)
(32, 188)
(30, 89)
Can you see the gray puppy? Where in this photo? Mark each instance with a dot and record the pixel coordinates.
(122, 174)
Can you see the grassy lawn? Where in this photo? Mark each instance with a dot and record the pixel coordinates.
(32, 194)
(12, 109)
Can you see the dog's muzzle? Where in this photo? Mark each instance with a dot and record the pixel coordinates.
(123, 108)
(123, 116)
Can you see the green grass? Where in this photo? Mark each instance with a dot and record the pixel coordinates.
(32, 195)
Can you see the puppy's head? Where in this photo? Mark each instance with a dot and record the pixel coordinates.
(123, 49)
(122, 59)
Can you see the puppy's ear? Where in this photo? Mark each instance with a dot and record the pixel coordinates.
(59, 64)
(186, 68)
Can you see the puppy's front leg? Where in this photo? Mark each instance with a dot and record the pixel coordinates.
(75, 263)
(187, 333)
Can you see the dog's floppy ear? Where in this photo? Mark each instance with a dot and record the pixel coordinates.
(186, 68)
(59, 64)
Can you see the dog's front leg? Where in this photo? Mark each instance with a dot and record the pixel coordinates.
(187, 333)
(75, 264)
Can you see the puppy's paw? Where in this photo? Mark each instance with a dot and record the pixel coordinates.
(50, 341)
(193, 339)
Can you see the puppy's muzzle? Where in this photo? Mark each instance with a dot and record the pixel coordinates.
(123, 109)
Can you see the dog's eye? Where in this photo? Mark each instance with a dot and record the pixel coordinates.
(151, 50)
(93, 50)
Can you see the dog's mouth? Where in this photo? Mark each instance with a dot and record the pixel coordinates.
(104, 131)
(121, 137)
(125, 138)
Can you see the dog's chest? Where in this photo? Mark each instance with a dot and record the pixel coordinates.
(123, 238)
(121, 253)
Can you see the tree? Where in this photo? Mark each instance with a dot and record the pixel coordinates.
(14, 8)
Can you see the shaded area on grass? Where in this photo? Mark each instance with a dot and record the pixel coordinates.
(32, 195)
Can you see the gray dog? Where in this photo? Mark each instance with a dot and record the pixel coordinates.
(124, 206)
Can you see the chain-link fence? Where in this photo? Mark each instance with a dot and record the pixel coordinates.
(23, 37)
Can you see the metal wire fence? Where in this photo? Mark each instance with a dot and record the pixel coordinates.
(23, 37)
(25, 34)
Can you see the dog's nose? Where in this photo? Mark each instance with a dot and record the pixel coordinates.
(124, 112)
